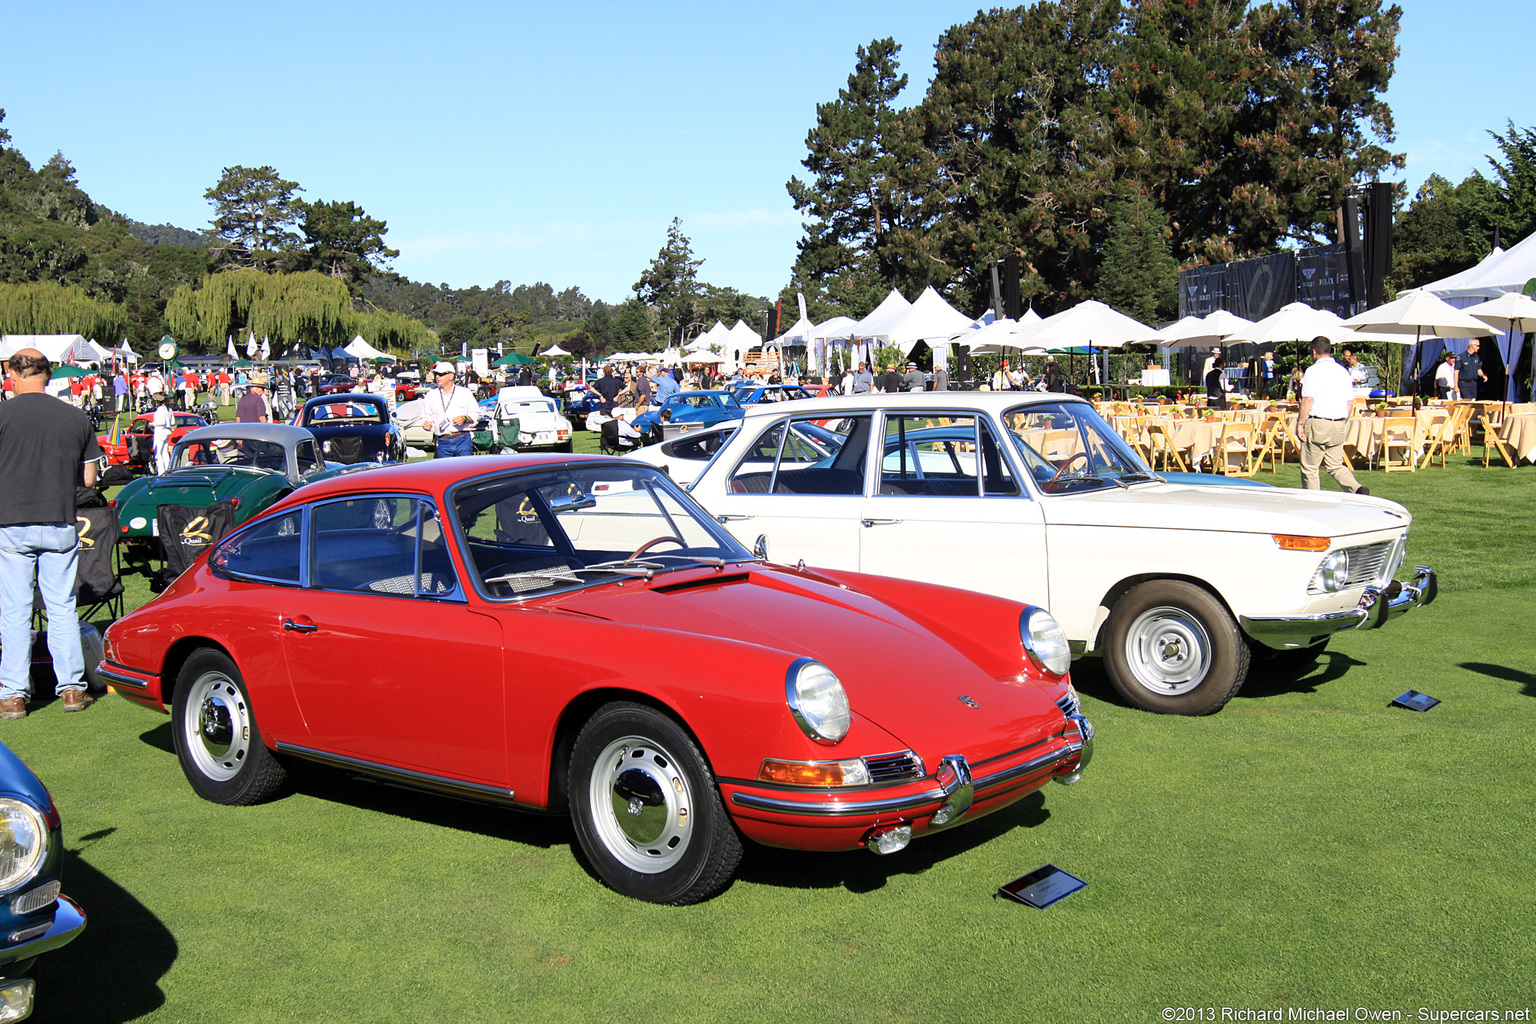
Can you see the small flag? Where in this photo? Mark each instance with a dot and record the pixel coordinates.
(229, 340)
(115, 435)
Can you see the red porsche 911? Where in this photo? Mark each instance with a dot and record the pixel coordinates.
(576, 634)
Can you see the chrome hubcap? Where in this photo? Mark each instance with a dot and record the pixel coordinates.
(1168, 650)
(219, 736)
(641, 804)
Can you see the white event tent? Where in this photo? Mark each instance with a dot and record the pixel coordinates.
(361, 350)
(1502, 271)
(932, 320)
(57, 347)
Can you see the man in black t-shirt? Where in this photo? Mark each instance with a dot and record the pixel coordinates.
(47, 449)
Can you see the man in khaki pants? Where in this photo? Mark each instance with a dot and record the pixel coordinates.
(1326, 392)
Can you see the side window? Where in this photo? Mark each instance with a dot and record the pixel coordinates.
(805, 456)
(939, 455)
(380, 545)
(268, 552)
(308, 456)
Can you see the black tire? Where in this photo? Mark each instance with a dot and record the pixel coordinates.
(673, 841)
(568, 447)
(217, 741)
(1173, 648)
(1295, 660)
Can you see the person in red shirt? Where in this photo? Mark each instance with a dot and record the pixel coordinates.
(224, 382)
(76, 389)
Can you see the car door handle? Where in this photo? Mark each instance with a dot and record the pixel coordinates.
(882, 522)
(730, 518)
(299, 627)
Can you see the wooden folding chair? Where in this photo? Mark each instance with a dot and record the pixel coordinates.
(1163, 448)
(1272, 440)
(1400, 443)
(1235, 448)
(1492, 441)
(1443, 436)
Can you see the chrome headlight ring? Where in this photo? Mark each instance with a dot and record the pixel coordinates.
(23, 843)
(1335, 571)
(817, 700)
(1044, 640)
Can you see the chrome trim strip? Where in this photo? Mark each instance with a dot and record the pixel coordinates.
(404, 776)
(118, 679)
(68, 922)
(893, 805)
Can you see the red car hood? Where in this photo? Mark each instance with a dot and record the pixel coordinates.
(898, 675)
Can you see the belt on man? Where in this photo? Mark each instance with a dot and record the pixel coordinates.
(1329, 419)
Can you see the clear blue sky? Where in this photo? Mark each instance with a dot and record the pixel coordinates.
(555, 142)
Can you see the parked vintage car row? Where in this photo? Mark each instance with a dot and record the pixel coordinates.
(895, 670)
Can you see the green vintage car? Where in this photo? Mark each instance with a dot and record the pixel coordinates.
(219, 477)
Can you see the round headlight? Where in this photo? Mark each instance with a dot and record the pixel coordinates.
(1336, 571)
(818, 701)
(1045, 641)
(23, 843)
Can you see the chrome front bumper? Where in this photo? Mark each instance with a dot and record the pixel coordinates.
(1377, 606)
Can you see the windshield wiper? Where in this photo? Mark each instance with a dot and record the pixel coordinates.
(573, 574)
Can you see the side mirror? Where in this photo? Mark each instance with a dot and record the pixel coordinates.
(760, 547)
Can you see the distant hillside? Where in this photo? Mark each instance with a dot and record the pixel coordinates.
(166, 234)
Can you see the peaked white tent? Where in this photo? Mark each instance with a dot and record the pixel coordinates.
(929, 319)
(57, 347)
(1502, 271)
(361, 350)
(710, 338)
(878, 323)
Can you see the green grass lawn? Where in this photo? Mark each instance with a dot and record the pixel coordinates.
(1308, 847)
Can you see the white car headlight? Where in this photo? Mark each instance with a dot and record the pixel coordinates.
(1336, 572)
(817, 700)
(23, 843)
(1045, 640)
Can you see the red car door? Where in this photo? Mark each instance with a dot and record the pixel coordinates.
(388, 662)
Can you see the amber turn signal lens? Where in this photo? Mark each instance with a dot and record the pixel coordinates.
(1290, 543)
(814, 773)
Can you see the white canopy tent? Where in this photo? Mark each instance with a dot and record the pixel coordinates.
(930, 319)
(709, 339)
(553, 350)
(1502, 271)
(57, 348)
(361, 350)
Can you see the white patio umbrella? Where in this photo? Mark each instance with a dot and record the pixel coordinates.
(1004, 335)
(1511, 311)
(1199, 331)
(1421, 315)
(1300, 322)
(1089, 323)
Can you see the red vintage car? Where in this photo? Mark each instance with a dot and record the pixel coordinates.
(575, 634)
(118, 454)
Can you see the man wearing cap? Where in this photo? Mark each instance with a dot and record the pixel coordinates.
(913, 379)
(52, 448)
(1446, 378)
(1322, 419)
(450, 413)
(253, 406)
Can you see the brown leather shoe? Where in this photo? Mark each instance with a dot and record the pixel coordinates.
(76, 700)
(13, 707)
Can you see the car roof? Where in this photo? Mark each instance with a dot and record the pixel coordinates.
(915, 401)
(350, 396)
(279, 433)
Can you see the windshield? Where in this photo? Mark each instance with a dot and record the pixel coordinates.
(222, 451)
(1067, 447)
(534, 532)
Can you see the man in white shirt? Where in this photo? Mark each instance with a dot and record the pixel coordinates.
(1446, 379)
(1322, 420)
(449, 412)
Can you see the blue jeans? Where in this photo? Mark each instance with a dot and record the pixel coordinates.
(459, 444)
(51, 552)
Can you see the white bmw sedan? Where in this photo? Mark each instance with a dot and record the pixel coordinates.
(1178, 585)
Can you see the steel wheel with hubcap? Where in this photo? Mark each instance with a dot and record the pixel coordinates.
(217, 741)
(1172, 647)
(646, 810)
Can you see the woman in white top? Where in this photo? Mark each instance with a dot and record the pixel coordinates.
(163, 421)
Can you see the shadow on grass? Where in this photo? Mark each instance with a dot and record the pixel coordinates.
(1513, 675)
(862, 871)
(111, 972)
(322, 782)
(1264, 679)
(1268, 680)
(160, 738)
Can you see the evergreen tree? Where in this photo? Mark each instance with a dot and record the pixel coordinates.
(1139, 275)
(851, 200)
(1516, 181)
(342, 241)
(670, 286)
(255, 211)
